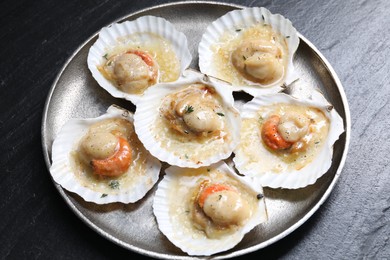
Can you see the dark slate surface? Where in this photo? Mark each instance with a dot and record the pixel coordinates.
(36, 39)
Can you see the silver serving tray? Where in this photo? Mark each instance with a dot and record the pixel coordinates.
(75, 94)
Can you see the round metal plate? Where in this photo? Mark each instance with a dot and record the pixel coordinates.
(75, 94)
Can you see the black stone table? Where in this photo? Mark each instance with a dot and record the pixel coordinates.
(38, 37)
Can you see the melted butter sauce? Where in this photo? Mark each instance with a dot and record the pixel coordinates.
(112, 185)
(265, 160)
(157, 47)
(229, 42)
(188, 145)
(182, 194)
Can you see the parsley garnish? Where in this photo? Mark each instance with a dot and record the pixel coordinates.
(114, 184)
(103, 195)
(288, 36)
(220, 114)
(189, 109)
(105, 56)
(238, 30)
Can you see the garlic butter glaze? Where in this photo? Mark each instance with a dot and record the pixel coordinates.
(189, 123)
(251, 48)
(207, 210)
(89, 159)
(287, 142)
(129, 57)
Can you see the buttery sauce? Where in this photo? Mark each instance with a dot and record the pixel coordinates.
(193, 123)
(250, 56)
(263, 159)
(110, 185)
(158, 48)
(182, 193)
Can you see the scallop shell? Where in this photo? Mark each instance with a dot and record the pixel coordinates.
(175, 224)
(233, 23)
(118, 34)
(63, 173)
(294, 178)
(199, 154)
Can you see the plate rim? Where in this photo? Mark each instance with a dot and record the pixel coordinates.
(141, 251)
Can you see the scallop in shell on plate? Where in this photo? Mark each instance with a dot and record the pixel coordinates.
(102, 160)
(207, 210)
(189, 123)
(287, 142)
(129, 57)
(251, 48)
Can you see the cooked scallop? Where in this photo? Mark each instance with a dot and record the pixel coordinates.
(286, 142)
(207, 210)
(251, 48)
(102, 160)
(259, 61)
(131, 71)
(131, 56)
(189, 123)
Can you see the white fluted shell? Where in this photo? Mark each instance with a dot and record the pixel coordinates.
(270, 169)
(130, 187)
(161, 143)
(172, 201)
(152, 31)
(227, 32)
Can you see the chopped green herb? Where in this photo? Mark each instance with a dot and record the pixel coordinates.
(261, 119)
(288, 36)
(114, 184)
(103, 195)
(262, 17)
(188, 109)
(244, 57)
(220, 114)
(238, 30)
(105, 56)
(219, 197)
(186, 156)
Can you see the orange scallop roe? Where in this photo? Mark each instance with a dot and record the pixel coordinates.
(210, 189)
(144, 56)
(115, 165)
(271, 136)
